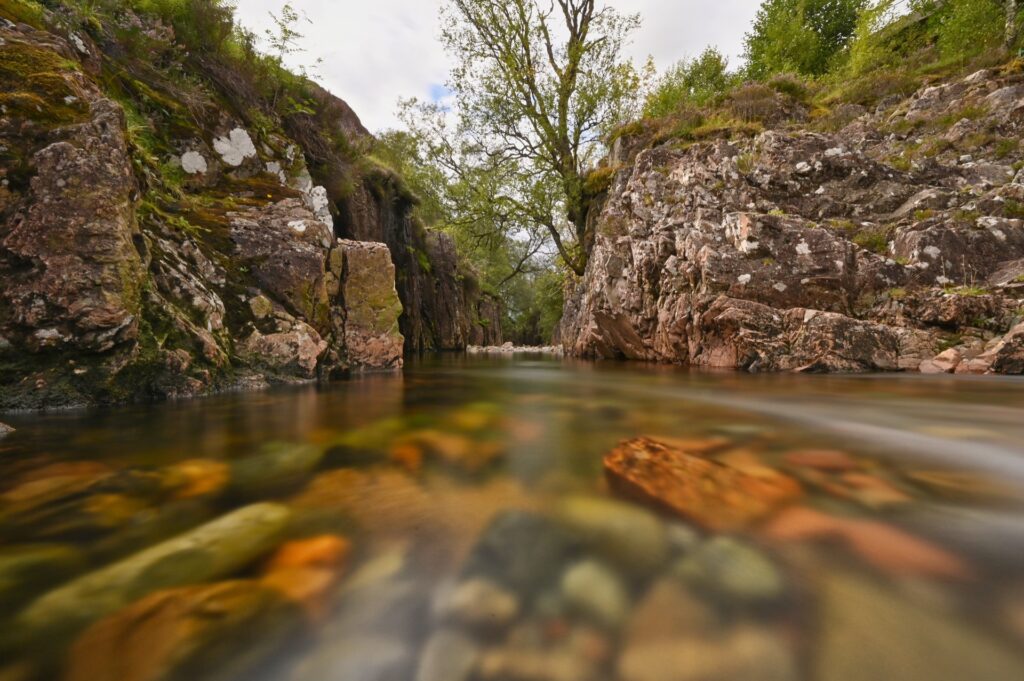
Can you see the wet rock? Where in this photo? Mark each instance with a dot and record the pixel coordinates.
(447, 656)
(747, 653)
(221, 630)
(372, 307)
(452, 449)
(523, 551)
(868, 632)
(596, 592)
(735, 571)
(478, 604)
(943, 363)
(27, 570)
(278, 468)
(328, 551)
(213, 550)
(306, 571)
(294, 352)
(883, 546)
(707, 492)
(629, 537)
(5, 430)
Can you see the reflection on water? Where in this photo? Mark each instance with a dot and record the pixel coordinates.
(523, 520)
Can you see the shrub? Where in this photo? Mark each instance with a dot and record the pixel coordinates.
(695, 81)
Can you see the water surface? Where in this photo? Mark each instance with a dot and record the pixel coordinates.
(456, 523)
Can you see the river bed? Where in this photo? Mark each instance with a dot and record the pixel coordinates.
(482, 518)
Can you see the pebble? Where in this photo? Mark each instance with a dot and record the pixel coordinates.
(628, 536)
(478, 603)
(448, 656)
(522, 551)
(596, 592)
(668, 611)
(733, 570)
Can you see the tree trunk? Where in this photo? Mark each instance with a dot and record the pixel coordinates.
(1011, 24)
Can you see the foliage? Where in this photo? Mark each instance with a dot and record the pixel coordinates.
(536, 87)
(695, 81)
(801, 36)
(967, 27)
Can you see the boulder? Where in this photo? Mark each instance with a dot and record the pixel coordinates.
(214, 550)
(372, 308)
(5, 430)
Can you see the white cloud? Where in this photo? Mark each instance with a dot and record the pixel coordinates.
(376, 51)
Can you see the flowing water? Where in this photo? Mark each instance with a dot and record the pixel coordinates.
(457, 523)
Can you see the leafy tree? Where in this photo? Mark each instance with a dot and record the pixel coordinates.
(694, 81)
(536, 86)
(801, 36)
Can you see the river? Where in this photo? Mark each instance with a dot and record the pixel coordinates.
(456, 522)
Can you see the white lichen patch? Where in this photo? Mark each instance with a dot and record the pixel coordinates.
(744, 279)
(803, 248)
(319, 202)
(235, 148)
(297, 226)
(194, 163)
(933, 252)
(780, 287)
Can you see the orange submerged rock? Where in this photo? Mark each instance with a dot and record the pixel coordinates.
(711, 493)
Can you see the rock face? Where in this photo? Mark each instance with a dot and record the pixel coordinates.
(797, 250)
(208, 251)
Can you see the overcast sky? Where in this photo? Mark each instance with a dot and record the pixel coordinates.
(375, 51)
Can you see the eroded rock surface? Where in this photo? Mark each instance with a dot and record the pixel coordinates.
(795, 250)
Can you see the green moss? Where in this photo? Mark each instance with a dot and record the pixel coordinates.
(599, 181)
(923, 214)
(875, 240)
(36, 84)
(897, 293)
(23, 11)
(968, 291)
(1014, 209)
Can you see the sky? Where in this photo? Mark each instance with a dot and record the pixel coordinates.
(377, 51)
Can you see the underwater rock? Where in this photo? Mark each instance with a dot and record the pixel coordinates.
(733, 570)
(708, 492)
(213, 550)
(478, 603)
(277, 468)
(596, 592)
(447, 656)
(630, 537)
(523, 551)
(228, 628)
(27, 570)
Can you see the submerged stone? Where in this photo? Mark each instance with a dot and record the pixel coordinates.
(214, 550)
(733, 570)
(27, 570)
(708, 492)
(228, 629)
(447, 656)
(596, 592)
(630, 537)
(277, 468)
(523, 551)
(478, 604)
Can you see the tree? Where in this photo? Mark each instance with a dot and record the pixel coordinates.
(536, 86)
(802, 36)
(1011, 23)
(695, 81)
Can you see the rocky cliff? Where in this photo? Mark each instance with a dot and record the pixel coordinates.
(857, 239)
(168, 227)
